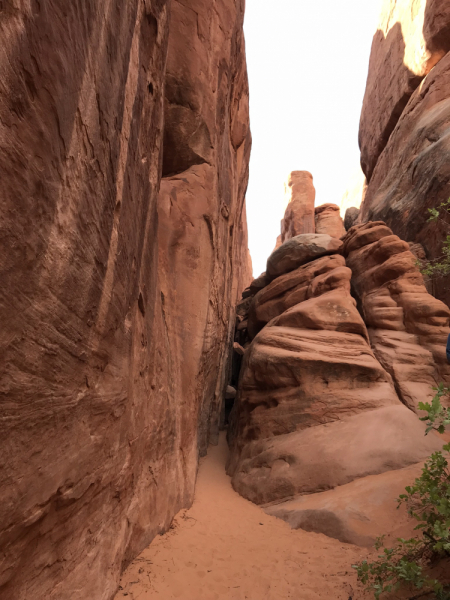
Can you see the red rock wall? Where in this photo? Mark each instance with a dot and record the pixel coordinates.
(202, 220)
(409, 171)
(411, 38)
(107, 395)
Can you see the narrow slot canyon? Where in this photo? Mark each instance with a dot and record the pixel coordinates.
(174, 423)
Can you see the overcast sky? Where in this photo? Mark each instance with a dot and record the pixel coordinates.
(307, 63)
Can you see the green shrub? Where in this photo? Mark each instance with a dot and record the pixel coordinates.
(428, 502)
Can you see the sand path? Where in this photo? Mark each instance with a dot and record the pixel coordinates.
(225, 547)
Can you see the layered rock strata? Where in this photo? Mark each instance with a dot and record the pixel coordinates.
(408, 328)
(114, 324)
(323, 401)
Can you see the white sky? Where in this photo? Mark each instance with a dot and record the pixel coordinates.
(307, 63)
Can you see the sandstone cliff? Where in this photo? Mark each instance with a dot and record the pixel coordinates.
(118, 287)
(405, 123)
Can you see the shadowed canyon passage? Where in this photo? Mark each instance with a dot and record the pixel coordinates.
(130, 323)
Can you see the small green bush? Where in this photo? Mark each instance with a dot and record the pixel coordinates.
(428, 502)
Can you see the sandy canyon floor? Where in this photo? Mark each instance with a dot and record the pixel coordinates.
(227, 547)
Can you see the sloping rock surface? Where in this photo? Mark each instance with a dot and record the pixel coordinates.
(115, 303)
(356, 513)
(294, 287)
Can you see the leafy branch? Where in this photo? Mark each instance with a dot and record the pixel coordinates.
(428, 502)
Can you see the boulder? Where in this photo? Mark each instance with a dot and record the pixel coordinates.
(328, 220)
(411, 39)
(325, 410)
(299, 250)
(300, 196)
(230, 393)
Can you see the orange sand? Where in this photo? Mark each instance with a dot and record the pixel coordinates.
(225, 547)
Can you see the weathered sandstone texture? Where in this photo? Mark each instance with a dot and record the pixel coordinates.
(330, 384)
(413, 172)
(115, 325)
(408, 328)
(412, 37)
(328, 220)
(299, 215)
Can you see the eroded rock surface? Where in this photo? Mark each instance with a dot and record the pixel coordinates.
(115, 328)
(294, 287)
(327, 399)
(408, 328)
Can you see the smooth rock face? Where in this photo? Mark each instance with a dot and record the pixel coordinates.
(299, 215)
(413, 172)
(328, 220)
(356, 513)
(411, 39)
(408, 328)
(323, 457)
(115, 304)
(299, 250)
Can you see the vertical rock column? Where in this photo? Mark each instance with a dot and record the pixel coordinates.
(203, 255)
(299, 215)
